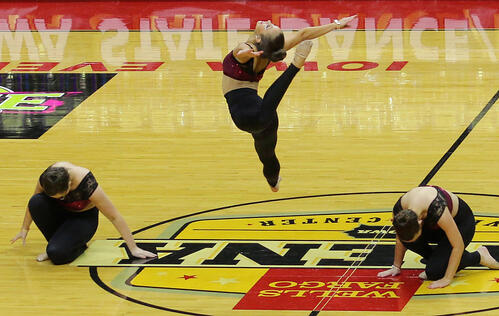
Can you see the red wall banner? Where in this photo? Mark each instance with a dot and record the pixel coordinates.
(204, 15)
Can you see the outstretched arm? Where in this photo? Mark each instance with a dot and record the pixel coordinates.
(400, 251)
(312, 32)
(27, 219)
(398, 259)
(448, 225)
(106, 207)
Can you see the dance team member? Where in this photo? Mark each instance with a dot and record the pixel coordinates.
(430, 214)
(243, 68)
(65, 207)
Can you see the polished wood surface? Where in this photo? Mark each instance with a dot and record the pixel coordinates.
(162, 145)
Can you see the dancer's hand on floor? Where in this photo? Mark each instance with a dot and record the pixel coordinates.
(21, 235)
(141, 253)
(439, 283)
(393, 271)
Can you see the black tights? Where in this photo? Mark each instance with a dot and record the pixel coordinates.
(67, 232)
(437, 257)
(258, 116)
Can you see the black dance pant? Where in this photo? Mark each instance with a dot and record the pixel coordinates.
(258, 116)
(437, 257)
(67, 232)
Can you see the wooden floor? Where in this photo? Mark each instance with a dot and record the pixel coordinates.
(162, 145)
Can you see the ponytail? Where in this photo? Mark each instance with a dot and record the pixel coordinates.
(278, 55)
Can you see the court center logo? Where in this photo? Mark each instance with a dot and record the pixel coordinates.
(31, 103)
(321, 261)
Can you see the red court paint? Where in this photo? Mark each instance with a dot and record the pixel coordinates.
(326, 289)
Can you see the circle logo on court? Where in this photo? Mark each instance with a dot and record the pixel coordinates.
(289, 260)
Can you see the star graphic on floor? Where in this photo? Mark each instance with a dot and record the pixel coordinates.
(187, 277)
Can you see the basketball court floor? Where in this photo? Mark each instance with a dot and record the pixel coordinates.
(405, 96)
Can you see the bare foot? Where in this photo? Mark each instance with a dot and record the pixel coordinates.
(423, 276)
(276, 187)
(486, 258)
(301, 53)
(42, 257)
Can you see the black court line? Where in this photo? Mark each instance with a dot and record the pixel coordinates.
(472, 312)
(95, 277)
(461, 138)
